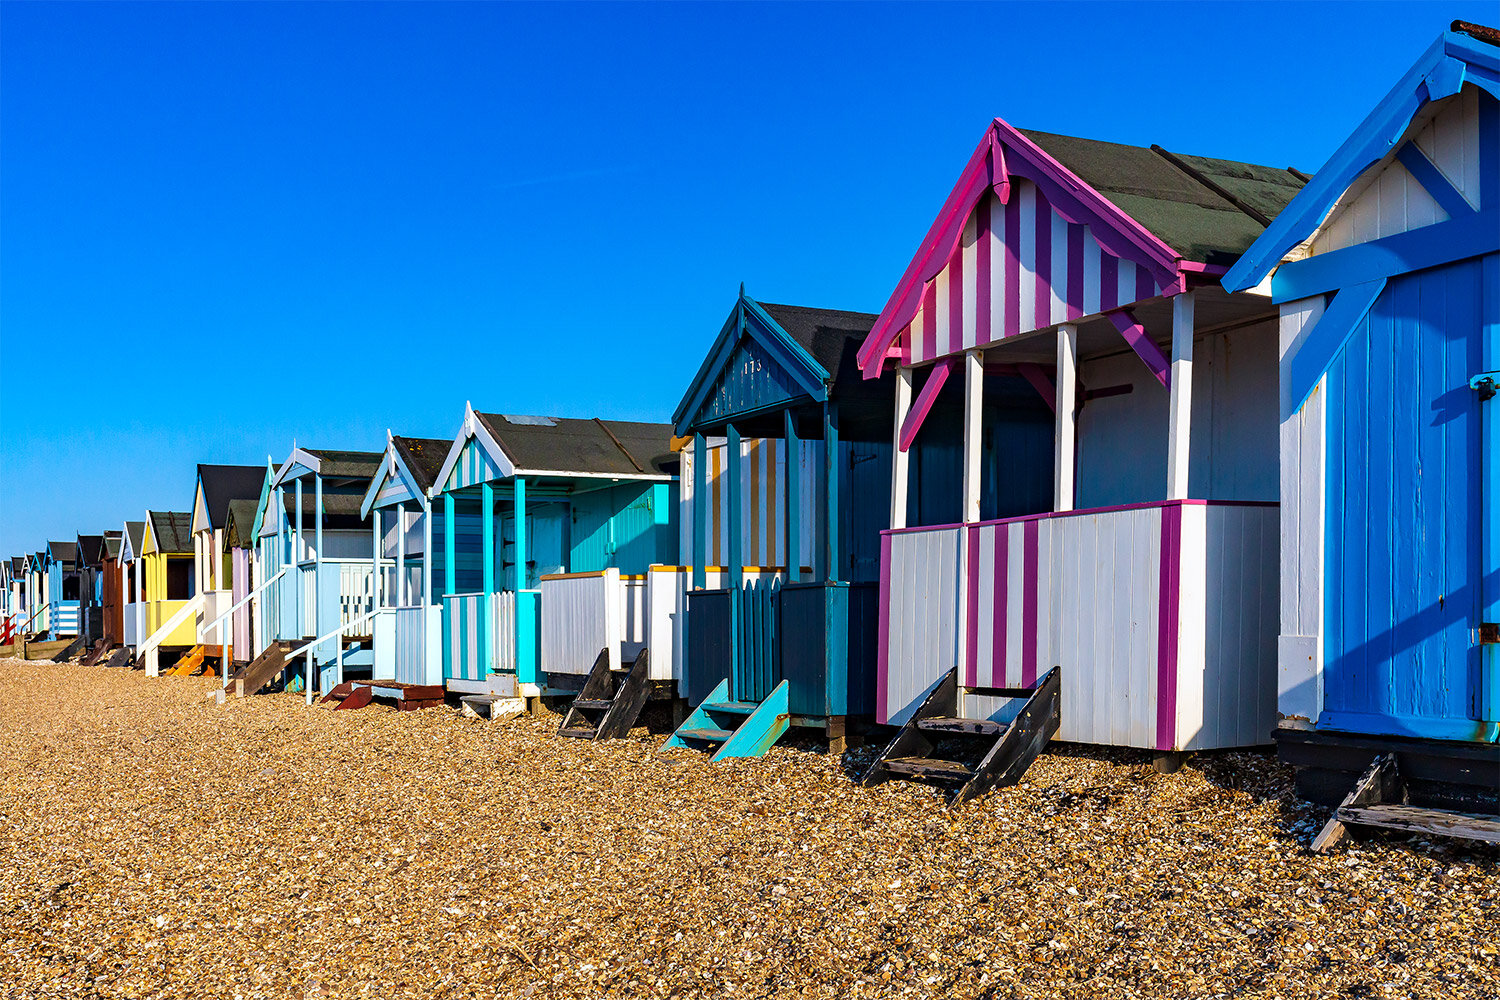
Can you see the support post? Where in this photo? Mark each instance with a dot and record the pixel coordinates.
(524, 651)
(400, 555)
(973, 433)
(793, 506)
(299, 592)
(1066, 438)
(520, 515)
(900, 457)
(426, 552)
(487, 584)
(450, 570)
(1181, 406)
(699, 549)
(317, 612)
(732, 460)
(831, 470)
(376, 516)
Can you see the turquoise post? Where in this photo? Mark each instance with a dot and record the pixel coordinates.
(317, 612)
(450, 568)
(526, 604)
(831, 472)
(736, 575)
(298, 591)
(487, 534)
(700, 549)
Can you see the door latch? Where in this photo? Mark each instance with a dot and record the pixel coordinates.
(1487, 634)
(1486, 384)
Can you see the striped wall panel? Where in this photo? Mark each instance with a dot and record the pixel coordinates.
(1019, 267)
(474, 466)
(762, 502)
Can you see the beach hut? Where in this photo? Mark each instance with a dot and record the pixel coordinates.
(216, 487)
(60, 563)
(111, 596)
(90, 549)
(1385, 271)
(1147, 577)
(551, 513)
(11, 614)
(238, 539)
(314, 559)
(133, 607)
(408, 626)
(786, 464)
(169, 596)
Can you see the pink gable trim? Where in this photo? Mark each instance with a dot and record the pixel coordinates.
(1003, 151)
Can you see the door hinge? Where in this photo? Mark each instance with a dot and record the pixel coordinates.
(1486, 384)
(1487, 634)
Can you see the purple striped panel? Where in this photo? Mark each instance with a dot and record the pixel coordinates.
(1013, 267)
(1145, 288)
(929, 321)
(1109, 281)
(1075, 270)
(955, 315)
(1030, 600)
(1043, 315)
(1002, 605)
(971, 604)
(1167, 622)
(883, 643)
(982, 275)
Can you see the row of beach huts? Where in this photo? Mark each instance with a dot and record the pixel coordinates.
(1146, 449)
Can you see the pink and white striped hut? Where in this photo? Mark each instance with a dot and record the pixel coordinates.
(1151, 582)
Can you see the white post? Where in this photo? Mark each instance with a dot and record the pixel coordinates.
(426, 552)
(973, 425)
(1066, 440)
(375, 558)
(1180, 412)
(900, 459)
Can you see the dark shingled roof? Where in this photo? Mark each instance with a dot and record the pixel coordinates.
(223, 483)
(173, 530)
(112, 545)
(90, 548)
(825, 333)
(137, 530)
(567, 444)
(240, 522)
(344, 464)
(17, 564)
(1205, 209)
(63, 551)
(423, 456)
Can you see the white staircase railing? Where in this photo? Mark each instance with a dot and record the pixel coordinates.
(308, 647)
(217, 623)
(149, 648)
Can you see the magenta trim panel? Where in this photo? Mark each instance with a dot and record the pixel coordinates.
(971, 602)
(883, 646)
(1168, 621)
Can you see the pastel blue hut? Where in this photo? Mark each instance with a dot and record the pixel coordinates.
(1386, 272)
(528, 499)
(61, 563)
(408, 624)
(314, 543)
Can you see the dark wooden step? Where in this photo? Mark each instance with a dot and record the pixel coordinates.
(732, 707)
(594, 703)
(705, 734)
(930, 767)
(1416, 819)
(961, 727)
(577, 732)
(1002, 692)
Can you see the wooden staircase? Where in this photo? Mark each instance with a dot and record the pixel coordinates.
(996, 754)
(611, 700)
(735, 728)
(358, 694)
(189, 663)
(260, 671)
(71, 650)
(99, 651)
(1378, 801)
(120, 657)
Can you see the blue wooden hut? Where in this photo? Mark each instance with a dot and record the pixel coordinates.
(61, 562)
(310, 525)
(1387, 276)
(408, 624)
(528, 498)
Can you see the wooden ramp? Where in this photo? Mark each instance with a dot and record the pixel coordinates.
(260, 671)
(96, 654)
(120, 657)
(72, 649)
(1378, 801)
(730, 728)
(611, 700)
(408, 697)
(988, 754)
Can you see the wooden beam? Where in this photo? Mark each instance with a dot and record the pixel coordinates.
(1034, 374)
(1180, 407)
(1433, 181)
(699, 553)
(900, 460)
(1141, 343)
(923, 403)
(1065, 438)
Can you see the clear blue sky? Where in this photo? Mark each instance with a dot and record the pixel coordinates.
(225, 226)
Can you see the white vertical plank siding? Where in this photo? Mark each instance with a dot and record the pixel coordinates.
(922, 644)
(631, 618)
(665, 587)
(582, 616)
(410, 642)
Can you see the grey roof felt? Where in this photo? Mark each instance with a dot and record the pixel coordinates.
(90, 549)
(223, 483)
(137, 530)
(1182, 209)
(346, 464)
(64, 552)
(17, 564)
(567, 444)
(827, 334)
(173, 530)
(423, 456)
(240, 522)
(112, 545)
